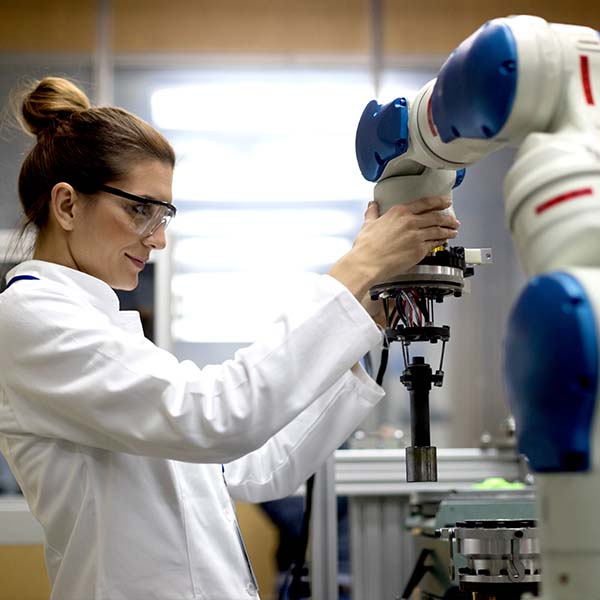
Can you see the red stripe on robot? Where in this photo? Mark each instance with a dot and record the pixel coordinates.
(584, 64)
(430, 118)
(563, 198)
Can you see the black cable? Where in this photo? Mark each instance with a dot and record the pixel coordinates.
(401, 311)
(300, 586)
(417, 575)
(385, 351)
(368, 364)
(386, 310)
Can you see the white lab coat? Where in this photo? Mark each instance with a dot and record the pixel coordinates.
(118, 446)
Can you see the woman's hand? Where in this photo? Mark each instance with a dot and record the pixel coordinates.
(393, 243)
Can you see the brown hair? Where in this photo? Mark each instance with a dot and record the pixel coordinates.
(79, 144)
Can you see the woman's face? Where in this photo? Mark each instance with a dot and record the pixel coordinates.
(105, 241)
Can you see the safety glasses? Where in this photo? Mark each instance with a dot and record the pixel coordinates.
(145, 215)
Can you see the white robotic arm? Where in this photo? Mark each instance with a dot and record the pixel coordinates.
(523, 82)
(517, 81)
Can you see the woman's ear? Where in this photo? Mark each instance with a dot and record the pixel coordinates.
(62, 205)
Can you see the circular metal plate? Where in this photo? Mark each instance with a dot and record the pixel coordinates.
(446, 279)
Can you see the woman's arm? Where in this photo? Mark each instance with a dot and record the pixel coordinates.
(286, 461)
(69, 373)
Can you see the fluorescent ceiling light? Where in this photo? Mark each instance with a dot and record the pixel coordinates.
(261, 107)
(259, 253)
(296, 168)
(304, 222)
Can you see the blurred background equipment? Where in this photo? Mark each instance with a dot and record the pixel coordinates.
(480, 545)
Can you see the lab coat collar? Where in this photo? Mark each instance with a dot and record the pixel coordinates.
(92, 289)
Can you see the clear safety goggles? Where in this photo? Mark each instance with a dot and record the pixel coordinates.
(145, 215)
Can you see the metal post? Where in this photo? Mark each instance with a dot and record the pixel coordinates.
(376, 44)
(103, 56)
(324, 542)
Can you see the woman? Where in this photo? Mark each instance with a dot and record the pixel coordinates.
(127, 457)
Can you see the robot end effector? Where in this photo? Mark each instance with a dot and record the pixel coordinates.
(517, 81)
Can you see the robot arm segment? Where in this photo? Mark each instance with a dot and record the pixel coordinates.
(551, 355)
(516, 81)
(512, 77)
(476, 88)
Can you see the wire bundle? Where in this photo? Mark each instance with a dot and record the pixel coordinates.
(412, 307)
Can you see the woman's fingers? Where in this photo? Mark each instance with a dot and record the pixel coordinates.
(372, 211)
(438, 233)
(436, 219)
(426, 205)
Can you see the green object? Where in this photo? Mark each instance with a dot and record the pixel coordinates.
(498, 483)
(478, 505)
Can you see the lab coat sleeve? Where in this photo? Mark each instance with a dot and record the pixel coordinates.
(279, 467)
(69, 373)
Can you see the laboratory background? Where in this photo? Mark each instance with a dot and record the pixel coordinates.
(261, 100)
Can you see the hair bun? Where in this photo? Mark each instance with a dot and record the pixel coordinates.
(52, 100)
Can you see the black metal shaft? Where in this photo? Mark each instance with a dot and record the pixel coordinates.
(421, 460)
(418, 378)
(419, 418)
